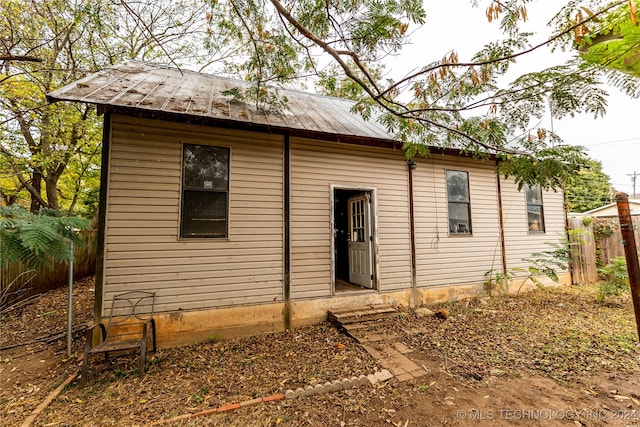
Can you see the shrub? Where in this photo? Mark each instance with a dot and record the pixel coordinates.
(37, 239)
(615, 279)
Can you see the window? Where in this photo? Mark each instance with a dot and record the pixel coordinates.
(205, 191)
(535, 212)
(459, 203)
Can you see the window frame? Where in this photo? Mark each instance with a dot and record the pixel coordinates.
(541, 223)
(469, 226)
(184, 188)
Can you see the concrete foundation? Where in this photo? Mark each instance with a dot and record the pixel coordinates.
(189, 327)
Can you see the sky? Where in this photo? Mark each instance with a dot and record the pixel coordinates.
(613, 139)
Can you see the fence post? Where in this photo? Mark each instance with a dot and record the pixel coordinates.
(70, 313)
(630, 251)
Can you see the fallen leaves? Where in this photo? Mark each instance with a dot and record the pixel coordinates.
(504, 335)
(558, 333)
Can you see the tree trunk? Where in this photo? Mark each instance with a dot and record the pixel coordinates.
(95, 219)
(36, 183)
(51, 182)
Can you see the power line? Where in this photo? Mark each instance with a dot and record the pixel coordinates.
(610, 142)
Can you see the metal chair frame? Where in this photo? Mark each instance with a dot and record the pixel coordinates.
(124, 331)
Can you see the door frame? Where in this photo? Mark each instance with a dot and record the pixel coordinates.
(373, 192)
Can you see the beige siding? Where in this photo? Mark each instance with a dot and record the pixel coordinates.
(144, 251)
(443, 259)
(143, 248)
(315, 167)
(518, 242)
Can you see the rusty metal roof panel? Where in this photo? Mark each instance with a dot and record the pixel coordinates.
(350, 121)
(160, 88)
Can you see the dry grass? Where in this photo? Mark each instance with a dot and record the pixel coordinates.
(560, 333)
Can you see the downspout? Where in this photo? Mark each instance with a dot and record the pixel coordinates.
(102, 219)
(287, 232)
(411, 166)
(501, 222)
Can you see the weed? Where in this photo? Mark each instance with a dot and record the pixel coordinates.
(545, 263)
(496, 281)
(615, 279)
(602, 231)
(123, 372)
(72, 357)
(200, 395)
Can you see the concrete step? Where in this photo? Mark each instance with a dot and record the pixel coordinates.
(360, 316)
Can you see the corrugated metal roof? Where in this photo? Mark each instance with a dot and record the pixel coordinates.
(160, 88)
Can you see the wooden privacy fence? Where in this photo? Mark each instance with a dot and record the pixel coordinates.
(33, 282)
(596, 242)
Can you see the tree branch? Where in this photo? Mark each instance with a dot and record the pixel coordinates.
(22, 58)
(323, 45)
(374, 92)
(22, 180)
(504, 58)
(149, 32)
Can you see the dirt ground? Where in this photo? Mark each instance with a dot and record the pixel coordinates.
(547, 358)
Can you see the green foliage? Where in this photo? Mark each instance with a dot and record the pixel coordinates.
(37, 239)
(200, 395)
(39, 140)
(614, 40)
(446, 103)
(464, 104)
(547, 263)
(52, 152)
(334, 83)
(588, 189)
(577, 237)
(614, 279)
(604, 229)
(89, 201)
(548, 168)
(264, 52)
(496, 280)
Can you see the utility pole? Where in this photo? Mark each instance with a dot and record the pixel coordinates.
(633, 176)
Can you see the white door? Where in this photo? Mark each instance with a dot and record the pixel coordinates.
(360, 241)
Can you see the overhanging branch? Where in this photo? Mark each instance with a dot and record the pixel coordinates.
(373, 90)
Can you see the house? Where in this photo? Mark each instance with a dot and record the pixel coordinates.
(246, 221)
(612, 209)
